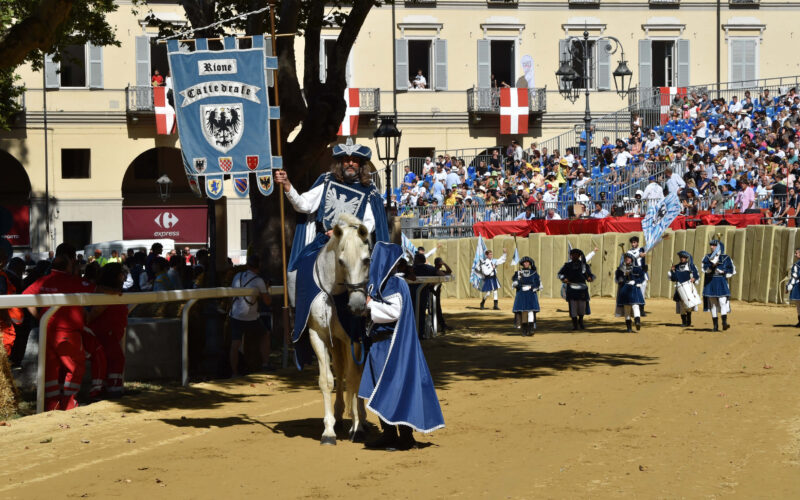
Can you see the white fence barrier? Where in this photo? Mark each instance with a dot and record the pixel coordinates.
(57, 300)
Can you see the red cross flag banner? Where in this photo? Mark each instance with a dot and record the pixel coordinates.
(513, 111)
(668, 94)
(349, 125)
(165, 114)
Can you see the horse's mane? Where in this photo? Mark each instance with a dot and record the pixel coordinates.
(346, 220)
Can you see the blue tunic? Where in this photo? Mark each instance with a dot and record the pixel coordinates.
(490, 284)
(351, 198)
(716, 279)
(794, 283)
(577, 273)
(526, 300)
(629, 292)
(396, 381)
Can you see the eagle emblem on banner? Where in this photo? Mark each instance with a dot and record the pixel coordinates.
(339, 199)
(199, 165)
(223, 125)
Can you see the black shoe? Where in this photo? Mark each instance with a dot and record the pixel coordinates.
(387, 439)
(574, 323)
(638, 323)
(628, 328)
(725, 324)
(580, 323)
(482, 303)
(495, 306)
(406, 440)
(716, 324)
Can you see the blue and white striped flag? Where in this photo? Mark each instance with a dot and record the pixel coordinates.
(476, 277)
(409, 249)
(515, 258)
(659, 217)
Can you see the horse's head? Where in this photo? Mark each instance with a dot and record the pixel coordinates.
(352, 260)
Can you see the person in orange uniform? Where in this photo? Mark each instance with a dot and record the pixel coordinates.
(64, 364)
(109, 324)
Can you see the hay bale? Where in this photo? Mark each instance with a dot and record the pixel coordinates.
(9, 394)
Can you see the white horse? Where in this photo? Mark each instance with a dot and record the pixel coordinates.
(341, 266)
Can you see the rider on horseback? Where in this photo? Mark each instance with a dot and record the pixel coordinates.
(347, 188)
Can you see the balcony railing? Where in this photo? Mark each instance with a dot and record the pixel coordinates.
(420, 3)
(139, 99)
(488, 100)
(744, 3)
(502, 3)
(584, 2)
(369, 101)
(665, 2)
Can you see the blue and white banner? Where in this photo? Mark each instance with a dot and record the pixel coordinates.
(515, 258)
(224, 115)
(659, 217)
(476, 277)
(409, 249)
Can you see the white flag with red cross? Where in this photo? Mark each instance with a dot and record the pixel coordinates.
(165, 114)
(349, 125)
(513, 111)
(667, 96)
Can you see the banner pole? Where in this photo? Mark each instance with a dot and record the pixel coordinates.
(285, 308)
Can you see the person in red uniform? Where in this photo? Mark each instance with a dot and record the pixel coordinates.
(64, 364)
(109, 324)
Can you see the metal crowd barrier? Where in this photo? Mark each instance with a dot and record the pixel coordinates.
(57, 300)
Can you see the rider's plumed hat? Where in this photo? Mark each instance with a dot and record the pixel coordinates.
(350, 149)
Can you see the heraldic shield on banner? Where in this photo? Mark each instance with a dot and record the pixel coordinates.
(224, 115)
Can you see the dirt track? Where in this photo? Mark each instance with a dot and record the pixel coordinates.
(664, 413)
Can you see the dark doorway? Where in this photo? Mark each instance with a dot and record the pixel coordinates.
(663, 63)
(78, 233)
(158, 58)
(503, 62)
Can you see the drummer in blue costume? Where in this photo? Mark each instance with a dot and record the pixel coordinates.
(526, 303)
(629, 276)
(396, 381)
(793, 287)
(683, 272)
(718, 268)
(347, 188)
(576, 274)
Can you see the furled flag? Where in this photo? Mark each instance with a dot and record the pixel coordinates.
(513, 111)
(349, 125)
(165, 113)
(515, 258)
(409, 249)
(476, 277)
(659, 217)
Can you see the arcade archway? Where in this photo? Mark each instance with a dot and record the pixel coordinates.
(15, 196)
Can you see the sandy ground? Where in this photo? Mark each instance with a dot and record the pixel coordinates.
(665, 413)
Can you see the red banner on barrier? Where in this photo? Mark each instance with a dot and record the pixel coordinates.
(20, 233)
(186, 224)
(607, 225)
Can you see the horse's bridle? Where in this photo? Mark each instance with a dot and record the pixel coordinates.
(355, 287)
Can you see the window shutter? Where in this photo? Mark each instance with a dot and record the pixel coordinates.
(348, 69)
(683, 63)
(750, 63)
(95, 66)
(737, 47)
(440, 55)
(603, 65)
(143, 61)
(484, 64)
(323, 60)
(51, 77)
(645, 64)
(402, 76)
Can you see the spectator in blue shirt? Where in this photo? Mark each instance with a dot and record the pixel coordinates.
(410, 178)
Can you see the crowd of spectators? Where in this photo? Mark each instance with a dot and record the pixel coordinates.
(715, 155)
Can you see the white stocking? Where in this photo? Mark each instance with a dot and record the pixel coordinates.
(723, 306)
(713, 303)
(487, 295)
(494, 294)
(531, 317)
(635, 308)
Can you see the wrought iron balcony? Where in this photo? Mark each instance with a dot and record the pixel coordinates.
(502, 3)
(669, 3)
(139, 100)
(420, 3)
(488, 100)
(744, 4)
(584, 3)
(369, 101)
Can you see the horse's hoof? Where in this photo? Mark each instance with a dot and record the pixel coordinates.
(328, 441)
(359, 437)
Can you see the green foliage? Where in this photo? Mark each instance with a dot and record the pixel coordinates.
(86, 23)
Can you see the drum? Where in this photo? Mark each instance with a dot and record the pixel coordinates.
(688, 294)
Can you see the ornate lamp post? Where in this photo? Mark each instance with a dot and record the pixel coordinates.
(164, 184)
(568, 77)
(387, 144)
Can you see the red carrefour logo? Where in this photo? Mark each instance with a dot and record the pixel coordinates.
(166, 220)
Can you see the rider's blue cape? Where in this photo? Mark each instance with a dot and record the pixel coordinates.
(304, 255)
(396, 381)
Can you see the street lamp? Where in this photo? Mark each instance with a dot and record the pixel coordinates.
(164, 183)
(387, 144)
(568, 77)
